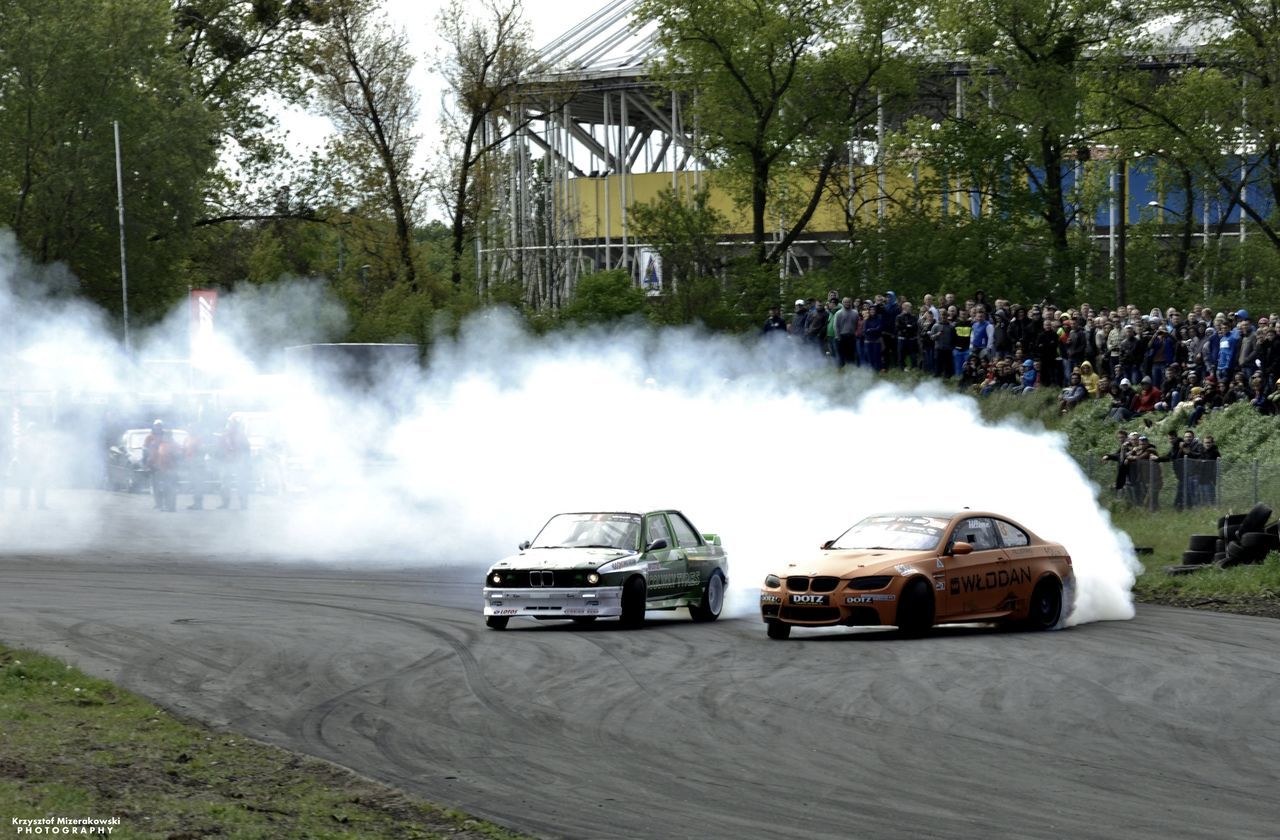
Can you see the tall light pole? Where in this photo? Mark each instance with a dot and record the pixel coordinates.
(124, 273)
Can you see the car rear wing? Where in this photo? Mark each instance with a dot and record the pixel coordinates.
(712, 539)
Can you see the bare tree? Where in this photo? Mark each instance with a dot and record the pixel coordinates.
(363, 67)
(486, 57)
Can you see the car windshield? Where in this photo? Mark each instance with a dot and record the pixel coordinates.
(583, 530)
(906, 533)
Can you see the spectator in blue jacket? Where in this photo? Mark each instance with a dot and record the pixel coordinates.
(1225, 359)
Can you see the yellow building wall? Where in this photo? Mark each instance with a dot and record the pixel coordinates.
(596, 203)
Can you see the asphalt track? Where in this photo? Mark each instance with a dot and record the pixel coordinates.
(1160, 727)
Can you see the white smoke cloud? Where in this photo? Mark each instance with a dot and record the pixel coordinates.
(753, 440)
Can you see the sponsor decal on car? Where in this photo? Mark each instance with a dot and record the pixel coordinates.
(990, 580)
(868, 599)
(770, 599)
(674, 579)
(620, 564)
(809, 599)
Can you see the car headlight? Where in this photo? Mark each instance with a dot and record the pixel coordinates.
(593, 578)
(495, 578)
(772, 581)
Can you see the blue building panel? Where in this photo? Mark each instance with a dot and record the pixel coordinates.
(1143, 189)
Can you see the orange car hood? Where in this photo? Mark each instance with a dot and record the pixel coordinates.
(860, 562)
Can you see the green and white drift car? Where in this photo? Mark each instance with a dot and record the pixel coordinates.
(583, 566)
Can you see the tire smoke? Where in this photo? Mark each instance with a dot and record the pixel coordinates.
(758, 441)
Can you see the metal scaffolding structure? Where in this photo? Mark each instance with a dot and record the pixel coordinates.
(593, 133)
(591, 122)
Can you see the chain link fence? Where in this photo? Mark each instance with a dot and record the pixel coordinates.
(1223, 483)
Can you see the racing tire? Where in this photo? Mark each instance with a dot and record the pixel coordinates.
(708, 609)
(915, 609)
(633, 597)
(1201, 542)
(1273, 528)
(496, 622)
(1260, 540)
(1255, 519)
(1045, 610)
(1229, 526)
(1196, 558)
(584, 619)
(1220, 547)
(1182, 570)
(1238, 555)
(778, 630)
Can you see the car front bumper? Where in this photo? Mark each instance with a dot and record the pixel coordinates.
(549, 602)
(850, 608)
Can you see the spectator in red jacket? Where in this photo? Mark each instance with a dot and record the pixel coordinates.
(1144, 402)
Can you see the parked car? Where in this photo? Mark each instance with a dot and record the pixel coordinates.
(584, 566)
(915, 570)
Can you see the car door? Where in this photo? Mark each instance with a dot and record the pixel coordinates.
(667, 565)
(699, 557)
(1020, 577)
(973, 579)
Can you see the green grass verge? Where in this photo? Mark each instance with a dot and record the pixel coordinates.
(75, 746)
(1167, 533)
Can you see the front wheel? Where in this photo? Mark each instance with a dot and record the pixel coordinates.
(633, 596)
(1046, 605)
(497, 622)
(778, 630)
(915, 609)
(712, 599)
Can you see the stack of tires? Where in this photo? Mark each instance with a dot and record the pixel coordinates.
(1248, 538)
(1241, 538)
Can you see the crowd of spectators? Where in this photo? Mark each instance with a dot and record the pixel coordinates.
(1186, 363)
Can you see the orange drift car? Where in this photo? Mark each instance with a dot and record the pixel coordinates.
(915, 570)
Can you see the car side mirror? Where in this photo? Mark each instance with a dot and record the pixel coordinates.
(524, 545)
(826, 545)
(656, 545)
(961, 548)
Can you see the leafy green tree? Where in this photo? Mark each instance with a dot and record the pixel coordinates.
(243, 58)
(68, 69)
(1218, 122)
(486, 60)
(1032, 106)
(604, 297)
(777, 89)
(362, 66)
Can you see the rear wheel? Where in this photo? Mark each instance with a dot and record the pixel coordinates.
(712, 599)
(633, 594)
(778, 630)
(497, 622)
(915, 609)
(1046, 605)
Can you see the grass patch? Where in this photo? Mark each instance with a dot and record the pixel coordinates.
(1167, 533)
(75, 746)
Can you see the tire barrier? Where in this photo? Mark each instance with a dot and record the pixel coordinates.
(1242, 539)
